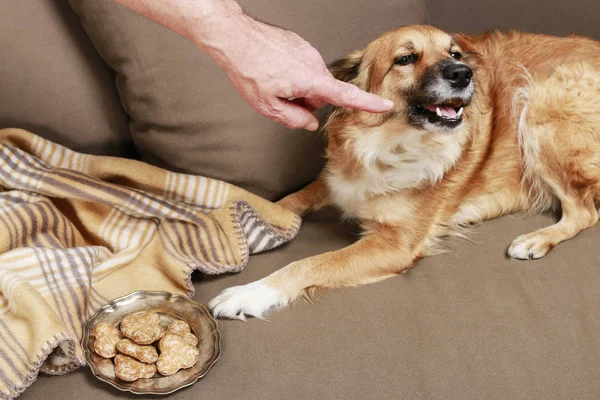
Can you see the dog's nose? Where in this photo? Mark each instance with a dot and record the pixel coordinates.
(459, 74)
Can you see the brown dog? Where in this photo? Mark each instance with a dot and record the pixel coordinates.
(482, 126)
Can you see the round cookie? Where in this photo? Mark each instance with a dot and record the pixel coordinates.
(182, 329)
(106, 338)
(145, 354)
(175, 354)
(143, 328)
(129, 369)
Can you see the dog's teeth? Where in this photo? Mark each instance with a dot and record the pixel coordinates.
(438, 112)
(460, 112)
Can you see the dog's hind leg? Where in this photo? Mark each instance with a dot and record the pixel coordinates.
(310, 198)
(578, 213)
(381, 253)
(560, 138)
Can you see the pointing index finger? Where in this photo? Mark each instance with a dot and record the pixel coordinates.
(345, 94)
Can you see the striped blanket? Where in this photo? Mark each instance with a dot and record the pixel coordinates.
(78, 230)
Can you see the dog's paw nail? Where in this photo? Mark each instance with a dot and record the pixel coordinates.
(529, 247)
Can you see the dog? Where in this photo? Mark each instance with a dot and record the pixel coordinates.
(481, 126)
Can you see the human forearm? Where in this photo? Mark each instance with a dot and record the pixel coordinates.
(210, 24)
(276, 71)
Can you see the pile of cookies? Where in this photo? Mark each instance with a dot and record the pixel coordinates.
(132, 347)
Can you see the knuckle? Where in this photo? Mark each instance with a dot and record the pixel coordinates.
(271, 110)
(318, 84)
(352, 92)
(313, 53)
(305, 88)
(290, 88)
(266, 111)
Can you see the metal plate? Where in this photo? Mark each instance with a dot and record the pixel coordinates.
(169, 306)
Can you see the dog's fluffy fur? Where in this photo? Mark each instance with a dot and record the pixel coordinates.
(528, 139)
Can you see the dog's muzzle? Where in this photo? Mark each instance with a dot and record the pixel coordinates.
(446, 90)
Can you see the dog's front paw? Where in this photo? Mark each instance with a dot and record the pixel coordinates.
(252, 300)
(529, 247)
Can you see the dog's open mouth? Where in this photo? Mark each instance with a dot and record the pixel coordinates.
(447, 114)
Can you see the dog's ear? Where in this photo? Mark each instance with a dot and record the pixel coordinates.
(472, 57)
(347, 69)
(463, 41)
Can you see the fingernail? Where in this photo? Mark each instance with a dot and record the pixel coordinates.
(312, 126)
(388, 103)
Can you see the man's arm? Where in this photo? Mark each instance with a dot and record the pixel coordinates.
(277, 72)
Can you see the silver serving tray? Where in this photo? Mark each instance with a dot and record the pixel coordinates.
(169, 306)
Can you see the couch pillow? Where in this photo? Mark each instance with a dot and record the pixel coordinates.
(54, 83)
(185, 114)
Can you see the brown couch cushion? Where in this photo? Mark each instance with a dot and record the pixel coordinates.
(54, 83)
(185, 114)
(467, 325)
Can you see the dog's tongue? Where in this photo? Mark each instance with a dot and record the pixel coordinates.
(446, 111)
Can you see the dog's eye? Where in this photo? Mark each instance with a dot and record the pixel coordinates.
(456, 55)
(405, 60)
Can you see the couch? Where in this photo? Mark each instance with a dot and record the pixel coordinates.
(468, 324)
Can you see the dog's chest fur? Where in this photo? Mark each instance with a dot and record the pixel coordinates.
(390, 163)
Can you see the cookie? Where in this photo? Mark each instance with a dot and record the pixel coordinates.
(182, 329)
(145, 354)
(143, 328)
(106, 338)
(129, 369)
(175, 354)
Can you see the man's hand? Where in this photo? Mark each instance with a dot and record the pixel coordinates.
(284, 78)
(281, 75)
